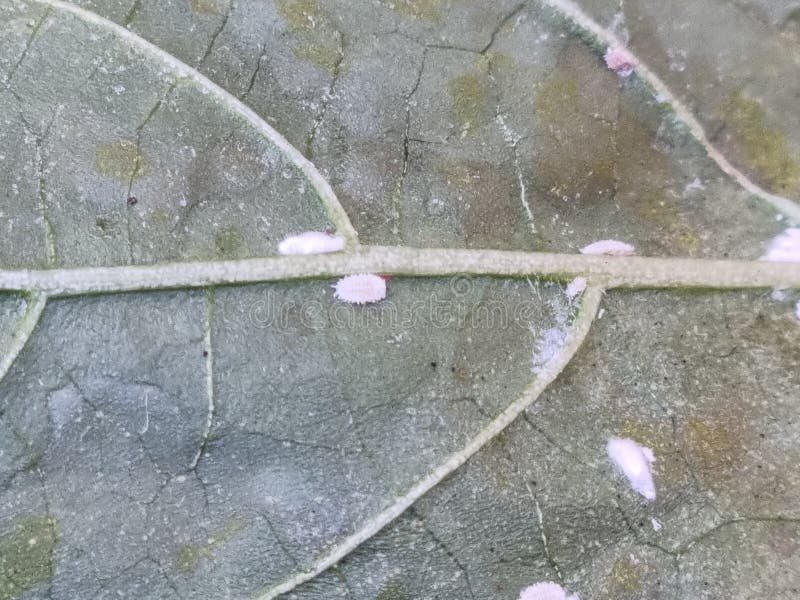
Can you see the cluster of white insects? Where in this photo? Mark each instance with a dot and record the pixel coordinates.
(632, 460)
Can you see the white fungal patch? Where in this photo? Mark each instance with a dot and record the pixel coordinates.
(657, 526)
(609, 248)
(360, 289)
(311, 242)
(575, 288)
(635, 462)
(620, 61)
(785, 247)
(547, 590)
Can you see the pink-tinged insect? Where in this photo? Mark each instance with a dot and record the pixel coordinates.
(620, 61)
(547, 590)
(635, 462)
(575, 288)
(785, 247)
(311, 242)
(609, 248)
(360, 289)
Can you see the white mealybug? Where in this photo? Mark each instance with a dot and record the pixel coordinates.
(609, 248)
(575, 288)
(657, 526)
(797, 309)
(785, 247)
(620, 61)
(360, 289)
(546, 590)
(311, 242)
(634, 461)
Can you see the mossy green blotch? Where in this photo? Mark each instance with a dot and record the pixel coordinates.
(766, 147)
(470, 96)
(120, 160)
(26, 555)
(392, 591)
(318, 40)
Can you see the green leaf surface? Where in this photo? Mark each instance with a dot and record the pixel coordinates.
(185, 414)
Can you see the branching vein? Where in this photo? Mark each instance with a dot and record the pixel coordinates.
(23, 331)
(606, 271)
(573, 12)
(580, 328)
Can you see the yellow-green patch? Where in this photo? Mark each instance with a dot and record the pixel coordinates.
(208, 7)
(392, 591)
(26, 555)
(557, 99)
(470, 95)
(120, 160)
(227, 242)
(318, 41)
(765, 147)
(188, 556)
(428, 10)
(625, 578)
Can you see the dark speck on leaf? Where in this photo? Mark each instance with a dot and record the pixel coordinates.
(433, 364)
(205, 353)
(132, 200)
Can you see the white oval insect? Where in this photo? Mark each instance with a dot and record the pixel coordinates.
(575, 288)
(634, 461)
(620, 61)
(311, 242)
(547, 590)
(784, 247)
(360, 289)
(609, 248)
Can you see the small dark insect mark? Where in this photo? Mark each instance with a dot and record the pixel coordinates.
(205, 353)
(433, 364)
(452, 369)
(132, 200)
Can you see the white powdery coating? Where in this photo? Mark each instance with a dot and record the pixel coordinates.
(575, 287)
(620, 61)
(785, 247)
(360, 289)
(634, 461)
(546, 590)
(609, 248)
(311, 242)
